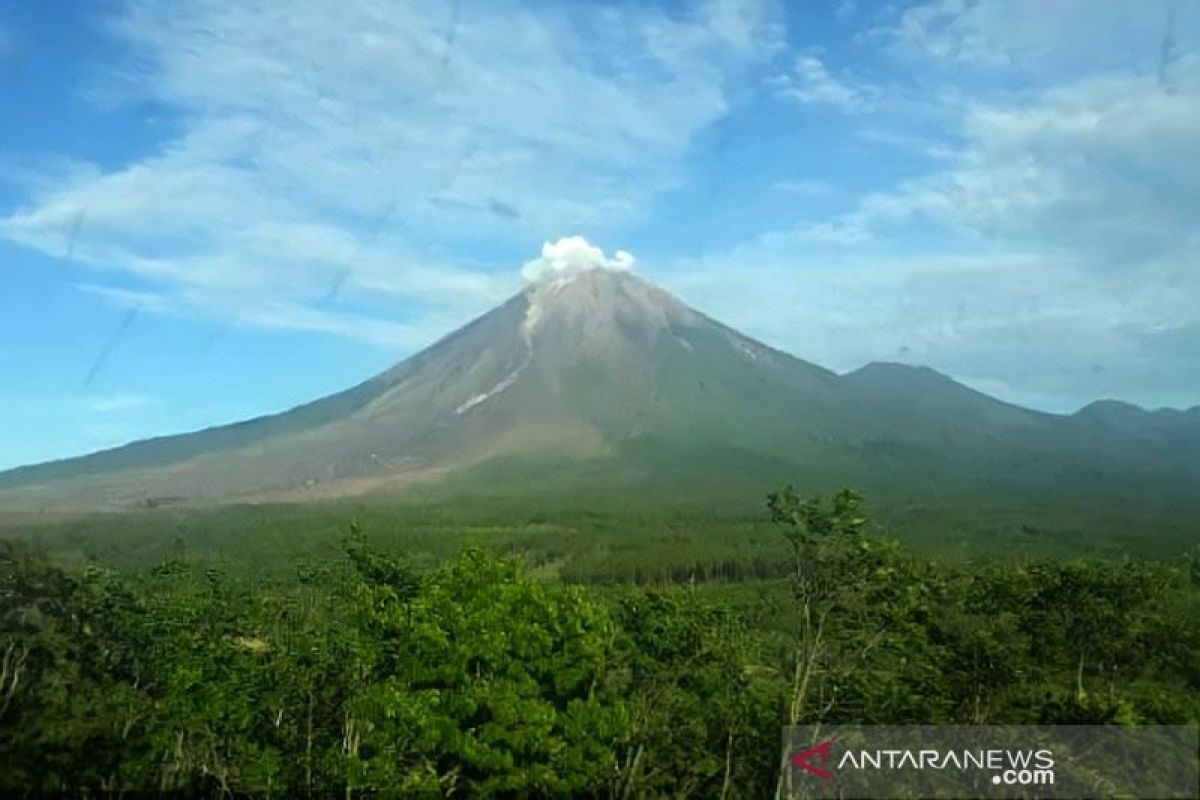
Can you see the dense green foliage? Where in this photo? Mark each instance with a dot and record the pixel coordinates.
(620, 537)
(487, 676)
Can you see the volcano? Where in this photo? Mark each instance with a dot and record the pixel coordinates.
(599, 378)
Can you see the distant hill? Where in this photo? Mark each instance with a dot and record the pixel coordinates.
(601, 382)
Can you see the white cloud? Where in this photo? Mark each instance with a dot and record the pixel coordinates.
(1044, 44)
(119, 402)
(129, 298)
(1102, 169)
(1032, 36)
(1042, 224)
(355, 146)
(254, 310)
(573, 254)
(749, 27)
(1048, 249)
(1047, 333)
(811, 82)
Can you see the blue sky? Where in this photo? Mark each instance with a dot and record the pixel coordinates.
(214, 210)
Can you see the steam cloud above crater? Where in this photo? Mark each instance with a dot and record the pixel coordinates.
(571, 255)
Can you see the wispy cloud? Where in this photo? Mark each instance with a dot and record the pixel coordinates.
(811, 82)
(1100, 169)
(128, 298)
(1032, 37)
(322, 141)
(1006, 187)
(1048, 245)
(119, 402)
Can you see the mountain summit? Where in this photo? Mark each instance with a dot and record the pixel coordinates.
(596, 375)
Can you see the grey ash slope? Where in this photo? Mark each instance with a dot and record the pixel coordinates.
(603, 377)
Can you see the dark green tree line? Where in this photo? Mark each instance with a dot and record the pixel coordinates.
(363, 675)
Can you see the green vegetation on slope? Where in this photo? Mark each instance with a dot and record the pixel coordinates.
(476, 677)
(608, 529)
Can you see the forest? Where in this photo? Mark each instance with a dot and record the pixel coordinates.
(485, 675)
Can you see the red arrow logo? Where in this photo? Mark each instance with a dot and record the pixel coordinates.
(822, 751)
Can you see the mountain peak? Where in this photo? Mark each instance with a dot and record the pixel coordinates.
(895, 373)
(1108, 408)
(590, 279)
(600, 302)
(590, 366)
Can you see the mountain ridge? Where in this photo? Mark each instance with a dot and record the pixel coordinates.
(578, 367)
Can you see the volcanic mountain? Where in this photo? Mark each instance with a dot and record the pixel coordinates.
(602, 380)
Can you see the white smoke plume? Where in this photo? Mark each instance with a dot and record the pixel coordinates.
(571, 255)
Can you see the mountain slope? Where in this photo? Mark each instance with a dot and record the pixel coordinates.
(600, 377)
